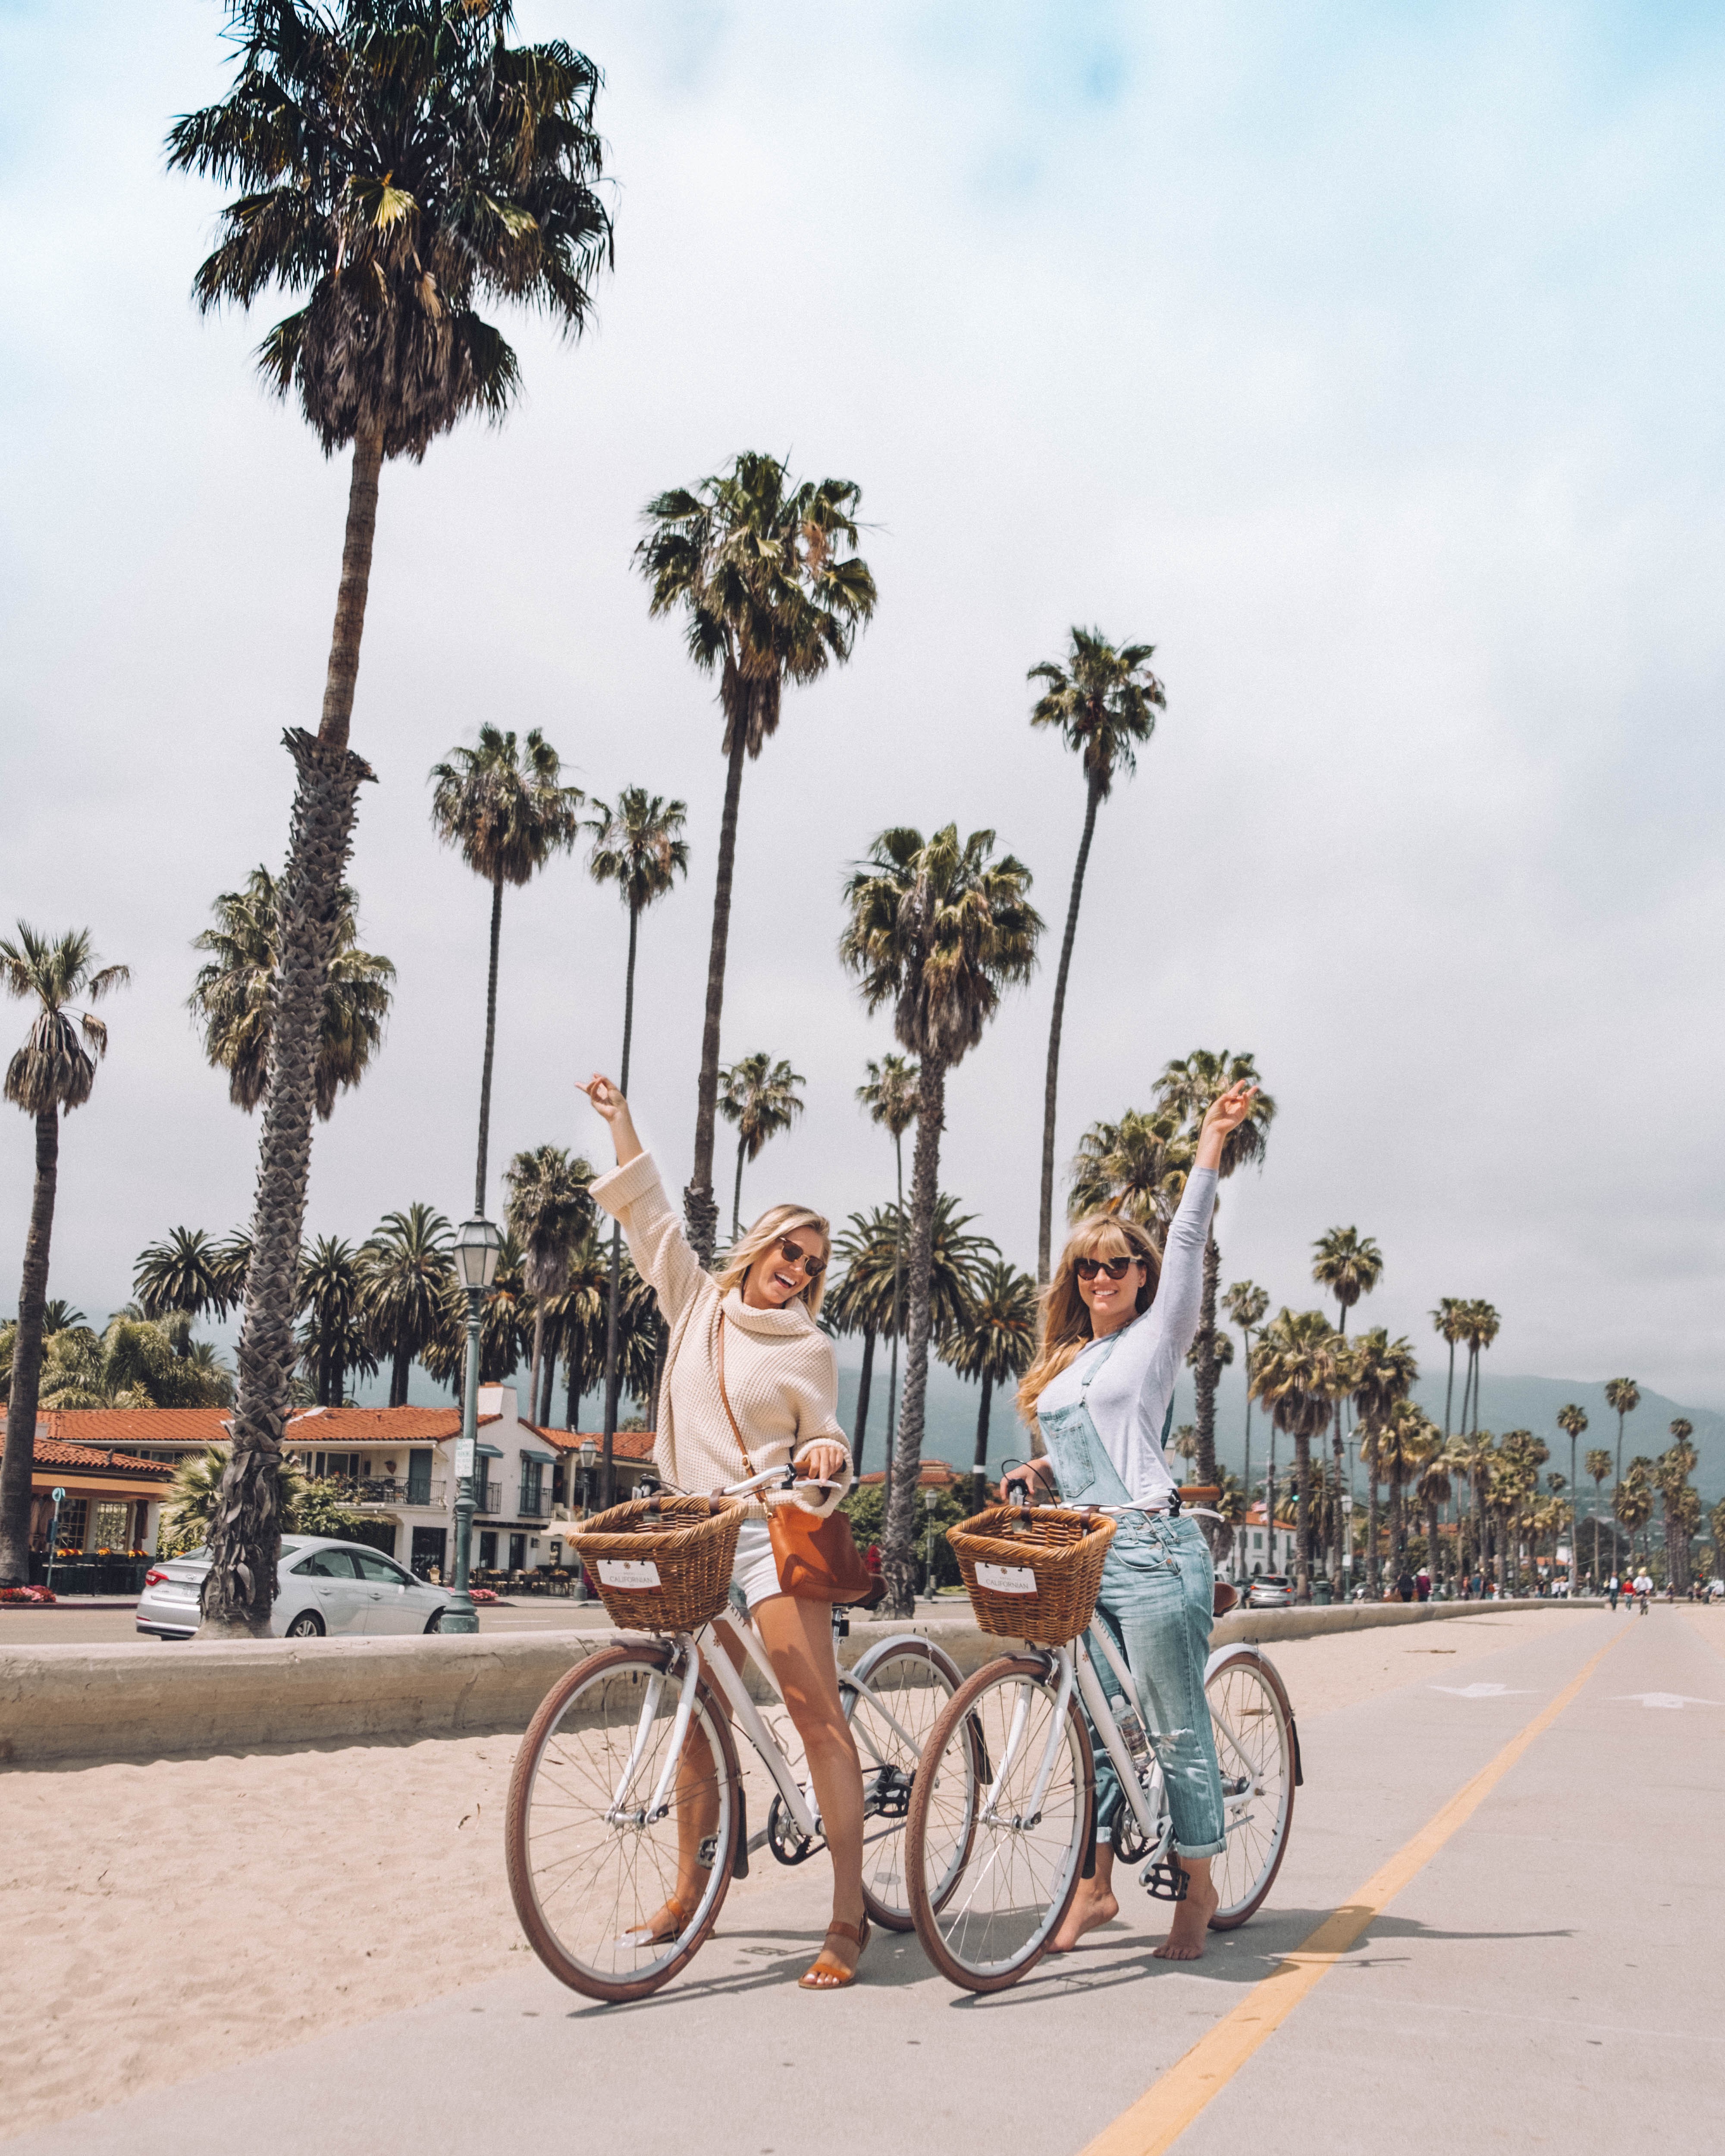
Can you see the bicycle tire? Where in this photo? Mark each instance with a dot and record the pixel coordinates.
(583, 1695)
(1241, 1685)
(888, 1783)
(988, 1951)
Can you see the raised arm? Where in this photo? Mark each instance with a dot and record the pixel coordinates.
(632, 1194)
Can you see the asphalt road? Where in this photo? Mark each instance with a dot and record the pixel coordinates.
(1547, 1975)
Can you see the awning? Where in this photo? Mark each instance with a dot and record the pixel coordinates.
(545, 1459)
(488, 1451)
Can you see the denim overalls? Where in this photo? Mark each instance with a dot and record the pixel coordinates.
(1157, 1598)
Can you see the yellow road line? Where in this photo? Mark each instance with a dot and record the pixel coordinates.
(1163, 2113)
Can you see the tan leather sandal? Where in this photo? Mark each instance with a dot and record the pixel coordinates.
(672, 1920)
(826, 1975)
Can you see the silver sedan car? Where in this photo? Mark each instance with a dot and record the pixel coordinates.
(321, 1586)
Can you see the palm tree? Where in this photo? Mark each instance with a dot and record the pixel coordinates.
(232, 996)
(1247, 1304)
(639, 846)
(1403, 1444)
(1571, 1420)
(938, 928)
(1135, 1168)
(1380, 1374)
(1476, 1454)
(1104, 702)
(1434, 1492)
(1449, 1323)
(335, 1339)
(397, 163)
(993, 1341)
(137, 1363)
(406, 1268)
(888, 1093)
(1633, 1503)
(866, 1298)
(1296, 1370)
(1623, 1396)
(182, 1272)
(1672, 1473)
(760, 1096)
(1597, 1463)
(505, 811)
(1187, 1089)
(548, 1212)
(51, 1075)
(1480, 1327)
(575, 1323)
(1349, 1265)
(765, 569)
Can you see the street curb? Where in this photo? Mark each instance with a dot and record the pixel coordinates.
(68, 1706)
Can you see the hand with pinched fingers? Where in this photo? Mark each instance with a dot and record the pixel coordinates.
(1222, 1118)
(611, 1104)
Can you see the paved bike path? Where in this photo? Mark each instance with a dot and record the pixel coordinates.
(1468, 1994)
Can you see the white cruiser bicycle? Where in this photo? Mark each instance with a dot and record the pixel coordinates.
(592, 1832)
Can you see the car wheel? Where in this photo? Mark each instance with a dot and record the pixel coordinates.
(435, 1622)
(307, 1625)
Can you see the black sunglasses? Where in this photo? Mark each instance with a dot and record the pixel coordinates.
(1115, 1268)
(795, 1254)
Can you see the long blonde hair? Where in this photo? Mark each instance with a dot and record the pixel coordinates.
(776, 1221)
(1065, 1329)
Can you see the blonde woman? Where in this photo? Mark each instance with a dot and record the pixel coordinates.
(749, 1335)
(1116, 1322)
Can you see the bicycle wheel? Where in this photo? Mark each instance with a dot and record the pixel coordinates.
(1254, 1729)
(591, 1861)
(892, 1700)
(1017, 1869)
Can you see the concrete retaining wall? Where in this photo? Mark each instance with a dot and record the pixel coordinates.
(74, 1705)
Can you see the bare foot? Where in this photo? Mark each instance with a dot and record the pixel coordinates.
(1185, 1941)
(1092, 1906)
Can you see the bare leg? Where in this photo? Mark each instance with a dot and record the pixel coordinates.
(1093, 1905)
(1186, 1935)
(798, 1639)
(697, 1803)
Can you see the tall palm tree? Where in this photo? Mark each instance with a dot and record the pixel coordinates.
(1448, 1322)
(1571, 1420)
(939, 928)
(1349, 1265)
(1186, 1089)
(766, 571)
(888, 1093)
(1434, 1492)
(1623, 1396)
(335, 1339)
(1296, 1370)
(575, 1325)
(1403, 1444)
(233, 997)
(760, 1096)
(406, 1268)
(1380, 1372)
(398, 163)
(184, 1271)
(638, 846)
(50, 1076)
(1597, 1463)
(864, 1299)
(506, 810)
(1476, 1453)
(1103, 700)
(1480, 1327)
(1135, 1168)
(1247, 1304)
(1671, 1473)
(993, 1341)
(548, 1212)
(137, 1363)
(1633, 1503)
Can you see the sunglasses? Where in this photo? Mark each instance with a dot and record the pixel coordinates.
(796, 1256)
(1115, 1268)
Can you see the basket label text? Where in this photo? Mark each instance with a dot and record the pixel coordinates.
(1006, 1579)
(627, 1571)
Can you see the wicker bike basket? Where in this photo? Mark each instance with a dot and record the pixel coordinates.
(1032, 1574)
(663, 1564)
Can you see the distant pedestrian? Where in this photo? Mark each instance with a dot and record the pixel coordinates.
(1404, 1584)
(1611, 1590)
(1422, 1584)
(1644, 1588)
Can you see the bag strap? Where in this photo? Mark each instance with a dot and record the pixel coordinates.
(748, 1465)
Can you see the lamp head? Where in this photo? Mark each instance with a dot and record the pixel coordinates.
(590, 1454)
(477, 1244)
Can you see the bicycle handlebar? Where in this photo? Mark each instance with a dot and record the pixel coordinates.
(787, 1478)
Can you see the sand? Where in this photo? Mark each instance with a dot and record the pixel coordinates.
(168, 1918)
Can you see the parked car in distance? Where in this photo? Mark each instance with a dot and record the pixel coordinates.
(1270, 1590)
(322, 1587)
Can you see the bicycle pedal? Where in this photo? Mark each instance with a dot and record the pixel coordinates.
(1165, 1881)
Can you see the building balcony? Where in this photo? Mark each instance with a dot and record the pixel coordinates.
(487, 1497)
(395, 1489)
(535, 1505)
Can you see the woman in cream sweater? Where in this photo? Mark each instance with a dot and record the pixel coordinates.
(755, 1323)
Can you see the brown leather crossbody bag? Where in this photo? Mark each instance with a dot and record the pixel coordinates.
(818, 1558)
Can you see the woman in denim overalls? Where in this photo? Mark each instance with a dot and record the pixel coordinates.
(1116, 1325)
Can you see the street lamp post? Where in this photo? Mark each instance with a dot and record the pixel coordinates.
(589, 1465)
(476, 1248)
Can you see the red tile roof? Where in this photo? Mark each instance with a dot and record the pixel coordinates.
(626, 1445)
(51, 1452)
(377, 1425)
(104, 1426)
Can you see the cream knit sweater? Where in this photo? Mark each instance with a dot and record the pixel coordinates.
(779, 1371)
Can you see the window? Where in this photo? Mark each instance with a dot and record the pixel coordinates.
(517, 1553)
(113, 1526)
(379, 1570)
(325, 1565)
(75, 1518)
(532, 1483)
(488, 1549)
(418, 1478)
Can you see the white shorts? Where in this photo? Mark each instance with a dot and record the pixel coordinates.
(755, 1574)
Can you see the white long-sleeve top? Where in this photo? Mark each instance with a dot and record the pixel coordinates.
(1128, 1397)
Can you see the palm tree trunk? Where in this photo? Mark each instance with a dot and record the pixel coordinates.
(1620, 1451)
(1302, 1515)
(1449, 1389)
(864, 1384)
(538, 1352)
(1374, 1580)
(898, 1561)
(614, 1286)
(398, 1376)
(736, 1195)
(1051, 1086)
(1269, 1504)
(547, 1388)
(980, 1472)
(485, 1129)
(19, 1460)
(699, 1210)
(1245, 1473)
(1207, 1369)
(246, 1540)
(898, 1257)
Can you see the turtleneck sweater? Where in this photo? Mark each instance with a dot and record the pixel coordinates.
(779, 1373)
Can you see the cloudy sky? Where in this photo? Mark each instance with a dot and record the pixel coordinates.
(1366, 363)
